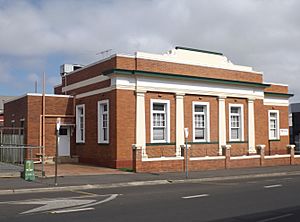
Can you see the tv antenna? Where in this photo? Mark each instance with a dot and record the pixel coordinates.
(104, 53)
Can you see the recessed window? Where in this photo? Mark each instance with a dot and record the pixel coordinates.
(80, 124)
(103, 121)
(274, 124)
(201, 122)
(236, 122)
(160, 121)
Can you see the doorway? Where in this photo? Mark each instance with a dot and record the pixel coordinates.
(64, 141)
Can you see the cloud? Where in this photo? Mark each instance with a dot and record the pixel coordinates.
(259, 33)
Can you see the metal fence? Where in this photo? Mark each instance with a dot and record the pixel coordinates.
(14, 151)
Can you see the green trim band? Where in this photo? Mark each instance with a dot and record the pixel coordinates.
(198, 50)
(213, 142)
(275, 140)
(185, 77)
(237, 141)
(160, 144)
(278, 94)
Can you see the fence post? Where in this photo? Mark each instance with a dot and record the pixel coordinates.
(261, 151)
(226, 153)
(291, 150)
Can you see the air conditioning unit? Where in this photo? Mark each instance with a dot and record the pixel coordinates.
(67, 68)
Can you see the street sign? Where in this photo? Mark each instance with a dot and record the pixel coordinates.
(186, 132)
(58, 123)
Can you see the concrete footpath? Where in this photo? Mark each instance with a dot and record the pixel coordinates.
(80, 182)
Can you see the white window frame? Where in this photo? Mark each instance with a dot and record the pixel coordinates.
(206, 124)
(167, 104)
(277, 124)
(78, 130)
(241, 106)
(100, 121)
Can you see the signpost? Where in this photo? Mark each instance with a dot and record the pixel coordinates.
(58, 123)
(186, 135)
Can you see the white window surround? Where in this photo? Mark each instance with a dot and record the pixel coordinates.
(100, 121)
(241, 106)
(80, 138)
(206, 124)
(167, 105)
(277, 137)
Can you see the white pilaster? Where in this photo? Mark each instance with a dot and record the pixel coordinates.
(141, 122)
(251, 127)
(179, 123)
(222, 123)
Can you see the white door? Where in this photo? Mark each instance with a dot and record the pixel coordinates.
(64, 141)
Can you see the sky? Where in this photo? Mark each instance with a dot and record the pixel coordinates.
(38, 36)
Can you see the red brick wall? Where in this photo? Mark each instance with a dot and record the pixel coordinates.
(30, 108)
(166, 150)
(91, 152)
(125, 127)
(91, 71)
(58, 90)
(199, 71)
(237, 148)
(16, 110)
(91, 87)
(277, 89)
(203, 149)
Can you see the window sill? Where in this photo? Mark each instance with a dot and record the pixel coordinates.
(203, 142)
(238, 141)
(274, 140)
(80, 142)
(160, 144)
(103, 143)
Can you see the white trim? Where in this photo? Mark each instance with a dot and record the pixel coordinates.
(275, 101)
(296, 156)
(100, 132)
(37, 94)
(161, 158)
(78, 139)
(95, 92)
(101, 61)
(207, 122)
(167, 103)
(251, 126)
(177, 86)
(179, 123)
(276, 84)
(86, 82)
(208, 158)
(187, 57)
(277, 125)
(222, 123)
(245, 157)
(278, 156)
(241, 106)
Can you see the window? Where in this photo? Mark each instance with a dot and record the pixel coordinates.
(236, 122)
(274, 124)
(103, 121)
(201, 122)
(22, 121)
(80, 124)
(160, 121)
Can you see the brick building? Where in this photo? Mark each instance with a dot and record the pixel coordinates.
(144, 101)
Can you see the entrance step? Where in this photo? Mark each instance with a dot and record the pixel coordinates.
(68, 159)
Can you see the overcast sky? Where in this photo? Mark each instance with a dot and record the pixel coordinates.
(38, 36)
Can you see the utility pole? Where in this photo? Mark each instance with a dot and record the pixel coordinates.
(186, 135)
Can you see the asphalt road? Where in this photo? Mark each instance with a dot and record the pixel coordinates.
(263, 200)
